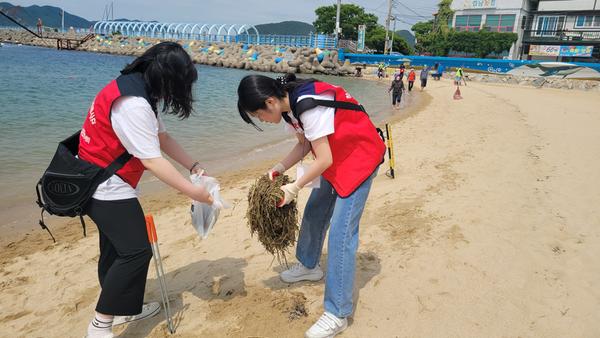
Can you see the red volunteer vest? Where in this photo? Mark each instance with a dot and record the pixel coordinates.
(356, 146)
(98, 142)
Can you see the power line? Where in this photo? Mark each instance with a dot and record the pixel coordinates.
(411, 10)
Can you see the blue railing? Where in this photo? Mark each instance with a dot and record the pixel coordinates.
(314, 40)
(486, 65)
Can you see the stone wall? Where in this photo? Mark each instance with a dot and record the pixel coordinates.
(264, 58)
(267, 58)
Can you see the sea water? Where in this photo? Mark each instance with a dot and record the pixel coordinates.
(45, 95)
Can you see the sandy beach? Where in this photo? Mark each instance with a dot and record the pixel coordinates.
(491, 228)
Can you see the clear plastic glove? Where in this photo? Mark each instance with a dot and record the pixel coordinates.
(277, 170)
(290, 192)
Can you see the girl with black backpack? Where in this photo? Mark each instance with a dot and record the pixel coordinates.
(124, 117)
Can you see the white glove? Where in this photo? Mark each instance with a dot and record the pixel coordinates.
(290, 192)
(277, 170)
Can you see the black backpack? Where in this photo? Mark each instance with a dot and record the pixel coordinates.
(69, 182)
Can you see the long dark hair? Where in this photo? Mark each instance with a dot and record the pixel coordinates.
(254, 90)
(169, 74)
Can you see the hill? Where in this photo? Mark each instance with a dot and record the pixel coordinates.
(408, 36)
(51, 16)
(286, 28)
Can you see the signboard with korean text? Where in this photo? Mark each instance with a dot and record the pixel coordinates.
(360, 46)
(578, 51)
(543, 50)
(573, 51)
(479, 4)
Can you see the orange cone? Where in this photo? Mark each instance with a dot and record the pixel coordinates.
(457, 95)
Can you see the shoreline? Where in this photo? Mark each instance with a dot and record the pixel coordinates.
(152, 190)
(20, 213)
(270, 58)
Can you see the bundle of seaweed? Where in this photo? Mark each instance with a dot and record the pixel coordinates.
(276, 227)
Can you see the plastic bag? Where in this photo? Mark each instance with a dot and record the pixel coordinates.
(205, 216)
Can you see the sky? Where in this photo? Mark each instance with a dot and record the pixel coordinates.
(230, 11)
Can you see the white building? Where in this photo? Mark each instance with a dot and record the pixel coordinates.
(562, 30)
(567, 30)
(492, 15)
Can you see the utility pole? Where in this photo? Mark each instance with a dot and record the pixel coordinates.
(393, 33)
(337, 21)
(63, 21)
(387, 27)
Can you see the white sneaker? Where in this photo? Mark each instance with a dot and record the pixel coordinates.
(299, 272)
(108, 335)
(148, 310)
(327, 326)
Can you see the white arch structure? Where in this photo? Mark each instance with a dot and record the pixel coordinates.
(180, 30)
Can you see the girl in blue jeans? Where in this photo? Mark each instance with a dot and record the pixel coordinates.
(330, 123)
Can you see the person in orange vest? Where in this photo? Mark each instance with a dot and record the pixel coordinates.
(39, 26)
(411, 79)
(348, 150)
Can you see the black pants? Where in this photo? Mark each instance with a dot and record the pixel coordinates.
(396, 97)
(125, 254)
(410, 85)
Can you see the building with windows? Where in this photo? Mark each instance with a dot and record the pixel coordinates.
(563, 31)
(492, 15)
(557, 30)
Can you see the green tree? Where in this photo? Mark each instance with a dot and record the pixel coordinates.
(376, 40)
(350, 17)
(433, 35)
(422, 28)
(436, 37)
(443, 18)
(493, 42)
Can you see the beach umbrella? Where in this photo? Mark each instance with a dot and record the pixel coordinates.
(160, 273)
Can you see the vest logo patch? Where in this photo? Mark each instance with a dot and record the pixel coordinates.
(62, 188)
(84, 136)
(92, 114)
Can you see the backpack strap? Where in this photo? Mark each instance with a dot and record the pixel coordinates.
(82, 225)
(310, 103)
(112, 168)
(117, 164)
(44, 226)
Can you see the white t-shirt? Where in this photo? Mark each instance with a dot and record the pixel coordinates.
(317, 122)
(137, 128)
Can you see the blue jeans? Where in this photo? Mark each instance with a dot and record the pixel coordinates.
(324, 206)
